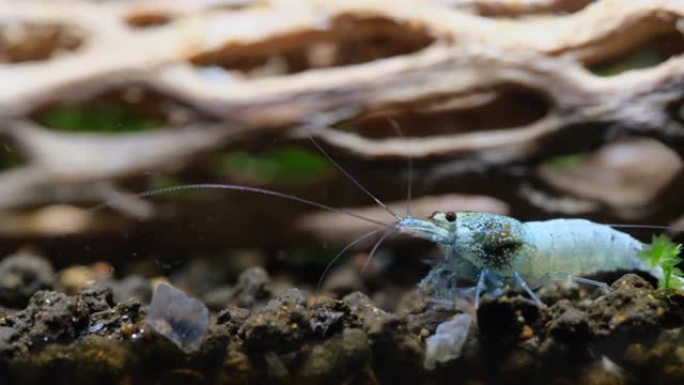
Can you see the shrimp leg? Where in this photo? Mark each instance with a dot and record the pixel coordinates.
(480, 286)
(521, 282)
(557, 275)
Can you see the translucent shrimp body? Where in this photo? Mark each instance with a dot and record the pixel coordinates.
(496, 249)
(577, 247)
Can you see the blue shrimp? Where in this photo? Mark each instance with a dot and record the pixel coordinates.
(500, 249)
(486, 248)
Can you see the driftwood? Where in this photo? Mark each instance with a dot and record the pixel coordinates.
(474, 84)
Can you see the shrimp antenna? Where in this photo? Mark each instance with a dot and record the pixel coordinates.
(637, 226)
(351, 178)
(332, 261)
(409, 186)
(221, 186)
(374, 249)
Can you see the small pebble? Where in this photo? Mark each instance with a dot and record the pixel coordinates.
(447, 342)
(177, 316)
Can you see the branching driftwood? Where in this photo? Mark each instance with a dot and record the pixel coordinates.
(254, 67)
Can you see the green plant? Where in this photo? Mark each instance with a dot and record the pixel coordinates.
(564, 162)
(9, 158)
(286, 164)
(110, 117)
(664, 253)
(644, 58)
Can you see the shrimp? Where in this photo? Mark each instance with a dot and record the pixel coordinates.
(486, 248)
(500, 249)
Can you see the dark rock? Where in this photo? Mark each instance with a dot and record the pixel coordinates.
(131, 287)
(569, 338)
(672, 302)
(219, 298)
(294, 339)
(357, 301)
(557, 290)
(568, 323)
(507, 318)
(110, 322)
(87, 361)
(411, 303)
(363, 312)
(342, 359)
(427, 321)
(398, 354)
(630, 308)
(210, 355)
(50, 317)
(7, 337)
(232, 318)
(326, 322)
(21, 275)
(97, 297)
(155, 354)
(661, 363)
(282, 325)
(328, 317)
(252, 288)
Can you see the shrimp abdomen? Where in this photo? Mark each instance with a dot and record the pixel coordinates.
(577, 247)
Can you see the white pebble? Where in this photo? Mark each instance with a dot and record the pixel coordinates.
(447, 342)
(177, 316)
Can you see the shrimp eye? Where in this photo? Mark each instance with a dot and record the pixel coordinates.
(450, 216)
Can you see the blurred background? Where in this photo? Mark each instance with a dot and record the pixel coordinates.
(534, 109)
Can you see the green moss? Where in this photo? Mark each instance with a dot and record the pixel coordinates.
(564, 162)
(643, 58)
(347, 126)
(109, 117)
(679, 112)
(10, 158)
(285, 164)
(664, 253)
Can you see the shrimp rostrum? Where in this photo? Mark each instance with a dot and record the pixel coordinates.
(497, 250)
